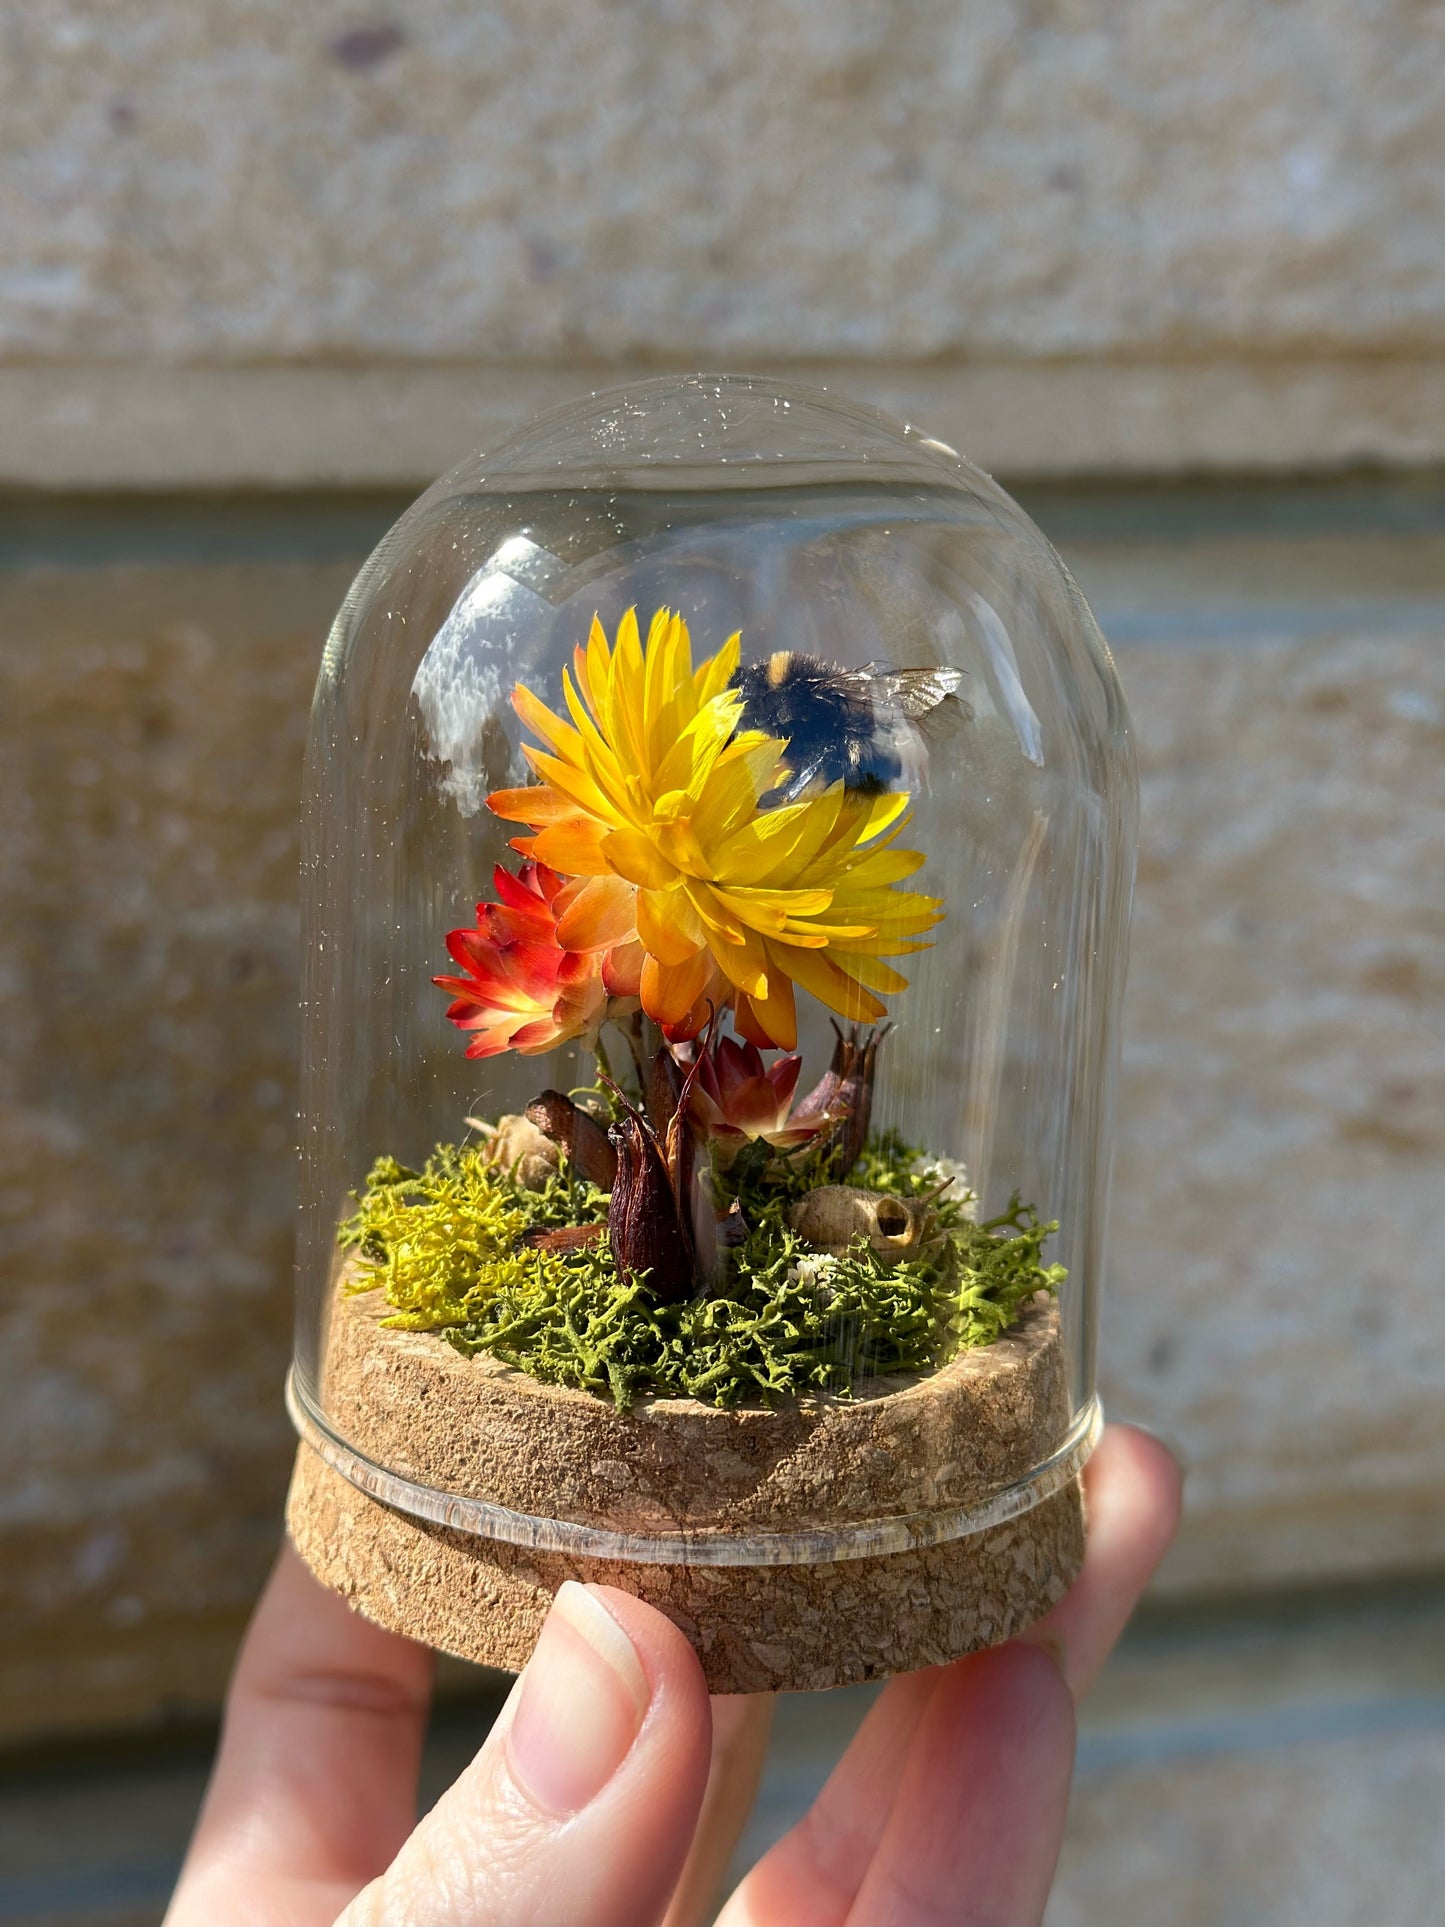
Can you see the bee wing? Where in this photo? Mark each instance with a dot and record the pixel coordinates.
(915, 709)
(919, 691)
(946, 716)
(926, 698)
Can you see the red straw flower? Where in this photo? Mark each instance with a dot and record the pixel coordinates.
(523, 990)
(737, 1097)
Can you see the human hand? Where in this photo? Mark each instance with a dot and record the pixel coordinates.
(611, 1790)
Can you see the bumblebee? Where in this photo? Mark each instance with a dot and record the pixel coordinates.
(866, 728)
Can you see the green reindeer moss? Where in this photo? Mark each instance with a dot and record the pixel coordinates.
(780, 1320)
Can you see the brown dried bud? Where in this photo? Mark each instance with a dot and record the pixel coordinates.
(580, 1135)
(845, 1093)
(664, 1085)
(649, 1232)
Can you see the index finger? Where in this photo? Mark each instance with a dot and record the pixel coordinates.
(1132, 1489)
(857, 1838)
(314, 1786)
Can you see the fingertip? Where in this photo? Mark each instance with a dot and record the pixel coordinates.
(314, 1786)
(1133, 1489)
(1134, 1469)
(1166, 1442)
(982, 1797)
(1023, 1686)
(666, 1653)
(582, 1703)
(582, 1803)
(1012, 1701)
(303, 1631)
(680, 1707)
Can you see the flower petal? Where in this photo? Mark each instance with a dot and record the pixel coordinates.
(636, 857)
(770, 1020)
(717, 672)
(783, 1076)
(669, 991)
(539, 719)
(668, 926)
(576, 846)
(597, 913)
(830, 984)
(622, 970)
(537, 804)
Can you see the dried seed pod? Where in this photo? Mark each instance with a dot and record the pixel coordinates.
(580, 1135)
(664, 1082)
(834, 1215)
(528, 1153)
(647, 1230)
(844, 1095)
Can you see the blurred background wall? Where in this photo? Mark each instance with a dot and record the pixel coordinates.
(1176, 273)
(250, 244)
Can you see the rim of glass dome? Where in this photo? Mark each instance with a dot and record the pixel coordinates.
(724, 431)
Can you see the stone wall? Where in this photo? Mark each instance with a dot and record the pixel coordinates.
(1276, 1262)
(153, 727)
(1150, 235)
(524, 181)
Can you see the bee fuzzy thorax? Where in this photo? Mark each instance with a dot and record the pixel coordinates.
(865, 728)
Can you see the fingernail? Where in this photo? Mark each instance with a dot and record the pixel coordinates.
(583, 1697)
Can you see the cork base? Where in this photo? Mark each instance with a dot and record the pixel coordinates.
(756, 1629)
(471, 1427)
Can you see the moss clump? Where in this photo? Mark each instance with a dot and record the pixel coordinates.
(782, 1320)
(443, 1241)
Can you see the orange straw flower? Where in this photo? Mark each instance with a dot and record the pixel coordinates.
(651, 798)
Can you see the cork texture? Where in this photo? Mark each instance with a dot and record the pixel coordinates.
(755, 1629)
(478, 1428)
(410, 1402)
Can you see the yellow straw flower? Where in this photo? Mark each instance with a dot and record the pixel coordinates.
(650, 798)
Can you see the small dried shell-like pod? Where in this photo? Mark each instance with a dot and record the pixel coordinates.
(831, 1217)
(519, 1147)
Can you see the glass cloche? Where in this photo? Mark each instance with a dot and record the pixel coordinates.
(719, 837)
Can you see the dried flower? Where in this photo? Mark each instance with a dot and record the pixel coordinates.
(738, 1098)
(652, 797)
(524, 990)
(950, 1176)
(843, 1097)
(815, 1271)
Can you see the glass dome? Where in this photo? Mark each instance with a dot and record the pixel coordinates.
(755, 779)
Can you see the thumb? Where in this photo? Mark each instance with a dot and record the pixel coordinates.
(582, 1803)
